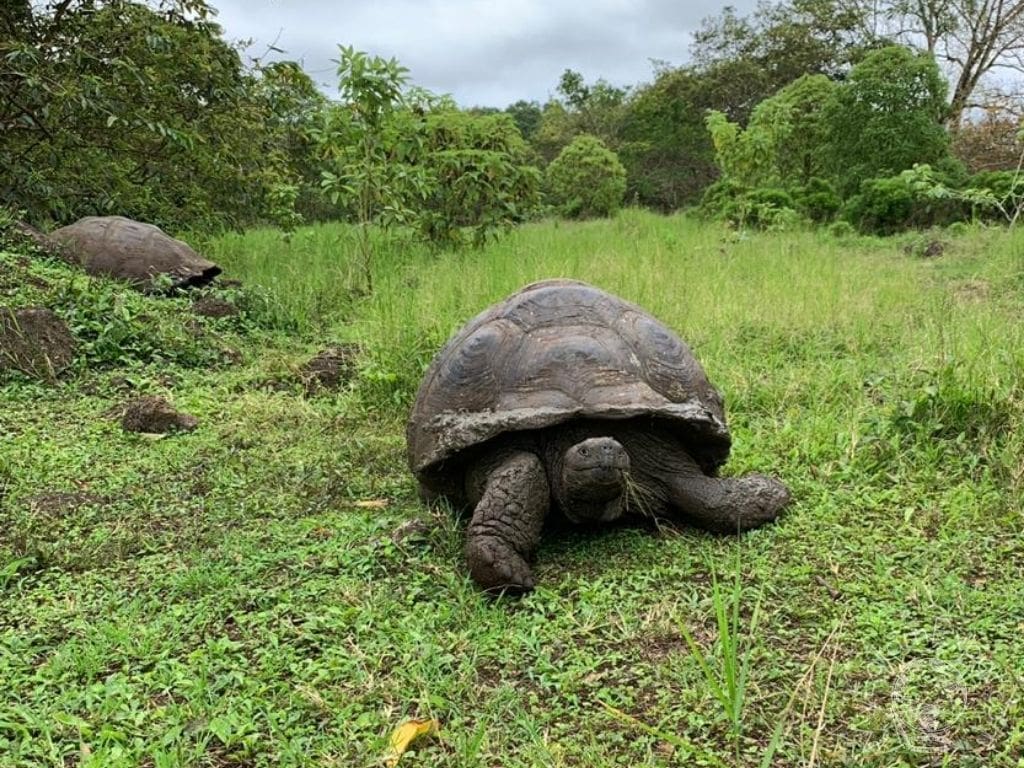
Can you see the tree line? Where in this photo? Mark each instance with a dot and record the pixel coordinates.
(883, 113)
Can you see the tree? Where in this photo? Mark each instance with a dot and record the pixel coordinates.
(476, 176)
(111, 106)
(993, 143)
(292, 107)
(756, 55)
(586, 179)
(665, 147)
(887, 117)
(598, 109)
(785, 142)
(364, 150)
(971, 37)
(527, 116)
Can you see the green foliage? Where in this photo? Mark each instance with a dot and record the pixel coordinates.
(995, 195)
(359, 141)
(781, 149)
(527, 116)
(916, 198)
(117, 326)
(397, 157)
(292, 106)
(792, 125)
(117, 107)
(886, 117)
(766, 208)
(784, 142)
(586, 180)
(841, 229)
(476, 176)
(747, 59)
(817, 200)
(665, 148)
(597, 109)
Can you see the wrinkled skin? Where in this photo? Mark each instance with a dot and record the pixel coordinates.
(594, 472)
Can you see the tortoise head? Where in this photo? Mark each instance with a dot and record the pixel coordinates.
(592, 480)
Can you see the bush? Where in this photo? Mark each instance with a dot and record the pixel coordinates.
(767, 208)
(914, 199)
(818, 200)
(841, 230)
(586, 180)
(995, 195)
(720, 196)
(887, 115)
(478, 177)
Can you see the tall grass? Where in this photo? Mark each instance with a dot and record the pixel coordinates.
(773, 307)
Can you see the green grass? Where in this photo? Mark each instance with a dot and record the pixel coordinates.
(222, 598)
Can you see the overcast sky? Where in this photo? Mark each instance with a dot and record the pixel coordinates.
(483, 52)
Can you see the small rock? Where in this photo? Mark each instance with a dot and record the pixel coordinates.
(35, 341)
(154, 415)
(331, 369)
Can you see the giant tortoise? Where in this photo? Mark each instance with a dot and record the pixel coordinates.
(566, 397)
(140, 253)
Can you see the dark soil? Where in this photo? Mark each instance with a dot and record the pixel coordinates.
(36, 342)
(154, 415)
(210, 306)
(331, 369)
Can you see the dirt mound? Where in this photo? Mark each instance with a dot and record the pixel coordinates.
(330, 369)
(154, 415)
(35, 341)
(211, 306)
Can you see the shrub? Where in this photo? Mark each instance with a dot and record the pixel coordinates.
(886, 116)
(841, 229)
(767, 208)
(720, 196)
(478, 177)
(586, 180)
(995, 195)
(817, 200)
(914, 199)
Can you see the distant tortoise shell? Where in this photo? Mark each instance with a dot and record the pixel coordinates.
(130, 250)
(554, 351)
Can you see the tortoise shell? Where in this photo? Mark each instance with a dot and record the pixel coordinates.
(114, 246)
(554, 351)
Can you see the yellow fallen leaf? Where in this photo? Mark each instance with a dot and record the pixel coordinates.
(404, 735)
(372, 503)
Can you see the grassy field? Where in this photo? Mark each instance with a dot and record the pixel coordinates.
(237, 596)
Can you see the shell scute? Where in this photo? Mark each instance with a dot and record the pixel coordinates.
(556, 351)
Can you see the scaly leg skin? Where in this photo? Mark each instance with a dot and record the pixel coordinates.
(507, 521)
(726, 504)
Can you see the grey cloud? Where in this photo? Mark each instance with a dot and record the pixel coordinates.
(483, 52)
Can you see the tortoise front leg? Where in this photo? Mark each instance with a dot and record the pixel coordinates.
(513, 494)
(725, 504)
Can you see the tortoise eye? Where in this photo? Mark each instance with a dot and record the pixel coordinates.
(584, 452)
